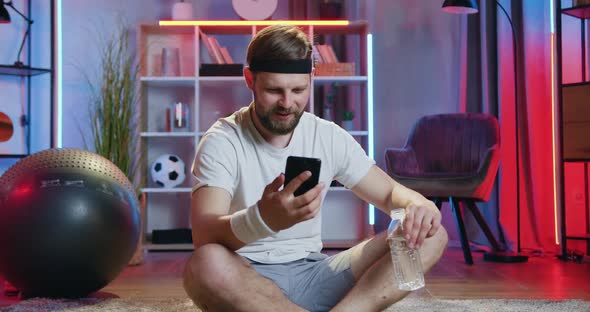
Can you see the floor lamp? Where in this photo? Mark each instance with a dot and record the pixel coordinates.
(470, 7)
(5, 19)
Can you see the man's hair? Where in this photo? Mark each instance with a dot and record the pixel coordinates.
(279, 42)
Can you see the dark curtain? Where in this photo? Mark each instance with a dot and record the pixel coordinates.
(490, 88)
(480, 94)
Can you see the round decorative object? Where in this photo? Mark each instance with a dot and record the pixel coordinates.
(69, 223)
(254, 9)
(6, 127)
(168, 171)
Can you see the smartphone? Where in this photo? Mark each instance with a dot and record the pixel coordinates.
(296, 165)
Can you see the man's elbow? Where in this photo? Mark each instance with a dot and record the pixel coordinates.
(200, 233)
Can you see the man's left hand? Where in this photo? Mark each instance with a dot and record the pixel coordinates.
(421, 221)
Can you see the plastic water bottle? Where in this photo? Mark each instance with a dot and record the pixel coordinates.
(407, 265)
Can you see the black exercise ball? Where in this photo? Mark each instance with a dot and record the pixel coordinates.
(69, 223)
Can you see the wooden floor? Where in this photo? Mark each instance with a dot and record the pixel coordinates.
(539, 278)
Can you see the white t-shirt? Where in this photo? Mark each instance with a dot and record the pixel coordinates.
(232, 155)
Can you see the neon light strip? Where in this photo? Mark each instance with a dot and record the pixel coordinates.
(551, 17)
(553, 138)
(370, 111)
(59, 78)
(255, 23)
(554, 134)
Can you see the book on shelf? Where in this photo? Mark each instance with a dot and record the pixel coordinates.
(213, 48)
(216, 50)
(327, 53)
(226, 56)
(333, 56)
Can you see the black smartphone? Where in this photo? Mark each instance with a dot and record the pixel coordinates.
(296, 165)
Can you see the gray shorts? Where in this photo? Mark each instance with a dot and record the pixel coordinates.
(315, 283)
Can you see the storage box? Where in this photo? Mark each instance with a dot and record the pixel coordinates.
(334, 69)
(172, 236)
(221, 70)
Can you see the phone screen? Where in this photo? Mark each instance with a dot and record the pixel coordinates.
(296, 165)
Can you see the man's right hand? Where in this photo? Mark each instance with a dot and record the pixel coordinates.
(281, 209)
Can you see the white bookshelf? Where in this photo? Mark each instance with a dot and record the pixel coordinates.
(345, 217)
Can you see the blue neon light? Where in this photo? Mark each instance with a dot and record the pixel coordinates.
(59, 77)
(551, 17)
(371, 152)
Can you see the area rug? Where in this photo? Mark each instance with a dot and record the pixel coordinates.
(408, 304)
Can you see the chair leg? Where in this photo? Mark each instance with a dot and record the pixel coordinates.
(483, 224)
(461, 229)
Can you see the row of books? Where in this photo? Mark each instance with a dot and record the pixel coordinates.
(218, 54)
(322, 53)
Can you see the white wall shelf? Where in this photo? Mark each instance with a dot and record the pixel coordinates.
(168, 81)
(166, 190)
(342, 79)
(169, 134)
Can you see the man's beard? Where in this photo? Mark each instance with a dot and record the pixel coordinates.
(279, 127)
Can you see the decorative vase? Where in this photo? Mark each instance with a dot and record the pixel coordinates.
(170, 62)
(182, 11)
(347, 125)
(179, 117)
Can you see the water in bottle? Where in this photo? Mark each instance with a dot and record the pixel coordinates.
(407, 265)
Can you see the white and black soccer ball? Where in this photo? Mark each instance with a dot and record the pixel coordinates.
(168, 171)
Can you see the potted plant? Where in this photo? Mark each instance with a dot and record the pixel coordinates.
(347, 120)
(114, 125)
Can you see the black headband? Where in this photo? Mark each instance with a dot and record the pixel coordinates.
(302, 66)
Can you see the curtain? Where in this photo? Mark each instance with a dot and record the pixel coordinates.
(488, 76)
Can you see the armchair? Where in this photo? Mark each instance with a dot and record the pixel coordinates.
(454, 158)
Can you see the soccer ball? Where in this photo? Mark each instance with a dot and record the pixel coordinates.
(168, 171)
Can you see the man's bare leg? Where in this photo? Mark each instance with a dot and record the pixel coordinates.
(217, 279)
(372, 268)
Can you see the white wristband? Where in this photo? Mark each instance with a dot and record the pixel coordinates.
(248, 226)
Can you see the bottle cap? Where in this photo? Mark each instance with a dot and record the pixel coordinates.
(397, 219)
(398, 213)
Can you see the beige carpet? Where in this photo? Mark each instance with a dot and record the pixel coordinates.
(408, 304)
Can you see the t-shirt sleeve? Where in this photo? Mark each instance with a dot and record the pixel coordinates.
(215, 163)
(351, 160)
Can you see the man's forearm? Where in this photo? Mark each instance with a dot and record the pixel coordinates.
(402, 197)
(214, 230)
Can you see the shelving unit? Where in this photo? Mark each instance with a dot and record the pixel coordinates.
(28, 72)
(574, 125)
(345, 217)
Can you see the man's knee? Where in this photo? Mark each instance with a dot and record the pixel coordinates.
(436, 245)
(208, 271)
(441, 237)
